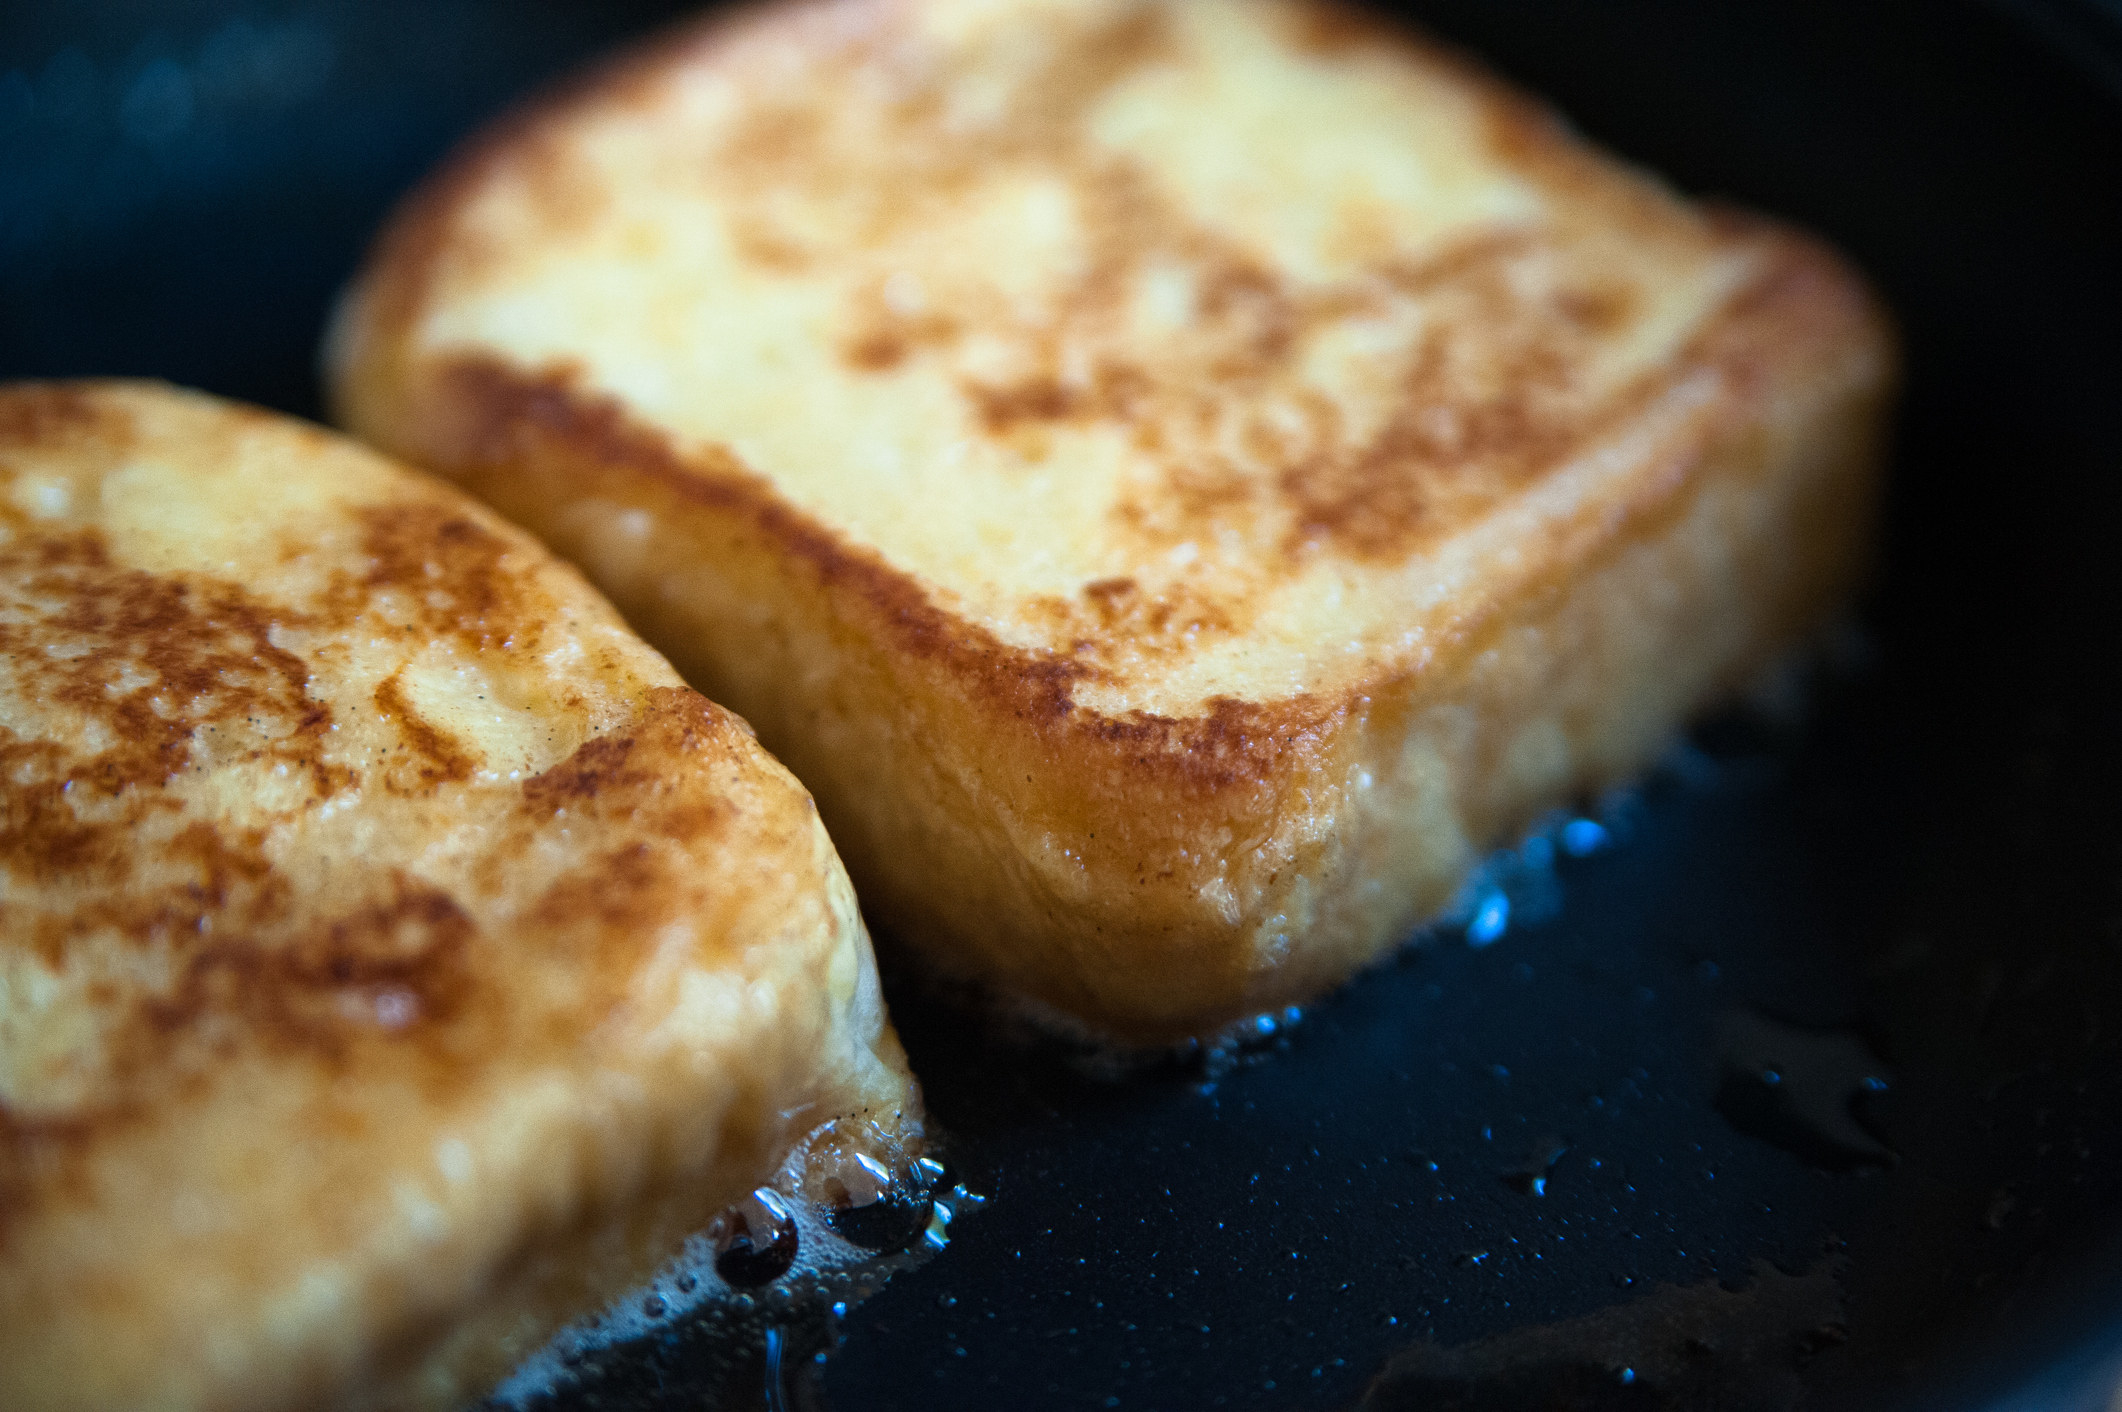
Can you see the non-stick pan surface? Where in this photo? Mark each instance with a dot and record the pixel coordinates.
(1547, 1172)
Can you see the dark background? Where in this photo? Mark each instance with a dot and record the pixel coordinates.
(1931, 868)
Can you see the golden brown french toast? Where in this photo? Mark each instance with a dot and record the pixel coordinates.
(397, 960)
(1179, 479)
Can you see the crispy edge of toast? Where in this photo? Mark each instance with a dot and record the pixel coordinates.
(1156, 878)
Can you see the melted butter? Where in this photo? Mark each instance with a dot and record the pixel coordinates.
(829, 1272)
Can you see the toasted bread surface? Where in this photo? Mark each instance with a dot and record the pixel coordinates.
(1178, 478)
(396, 958)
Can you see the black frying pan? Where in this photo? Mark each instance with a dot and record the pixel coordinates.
(1547, 1172)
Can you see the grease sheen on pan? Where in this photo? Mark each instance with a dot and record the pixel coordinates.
(1179, 479)
(396, 958)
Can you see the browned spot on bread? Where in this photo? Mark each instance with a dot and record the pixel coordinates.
(229, 876)
(39, 1155)
(622, 773)
(596, 769)
(877, 350)
(1042, 399)
(177, 882)
(615, 902)
(443, 759)
(886, 332)
(772, 137)
(40, 414)
(1332, 30)
(1598, 308)
(1106, 593)
(395, 972)
(147, 670)
(1081, 356)
(1232, 744)
(1120, 617)
(447, 574)
(43, 835)
(376, 971)
(621, 895)
(1495, 400)
(249, 975)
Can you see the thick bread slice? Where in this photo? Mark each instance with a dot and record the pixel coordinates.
(396, 958)
(1179, 479)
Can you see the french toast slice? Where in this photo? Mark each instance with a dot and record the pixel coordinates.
(397, 960)
(1179, 479)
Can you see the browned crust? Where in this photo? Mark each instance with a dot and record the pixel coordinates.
(478, 411)
(257, 997)
(480, 417)
(523, 438)
(534, 440)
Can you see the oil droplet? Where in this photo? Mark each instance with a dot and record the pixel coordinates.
(1512, 887)
(1490, 920)
(878, 1209)
(940, 1215)
(779, 1237)
(1795, 1088)
(755, 1240)
(1580, 837)
(1529, 1178)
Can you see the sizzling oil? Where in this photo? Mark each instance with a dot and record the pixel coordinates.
(754, 1302)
